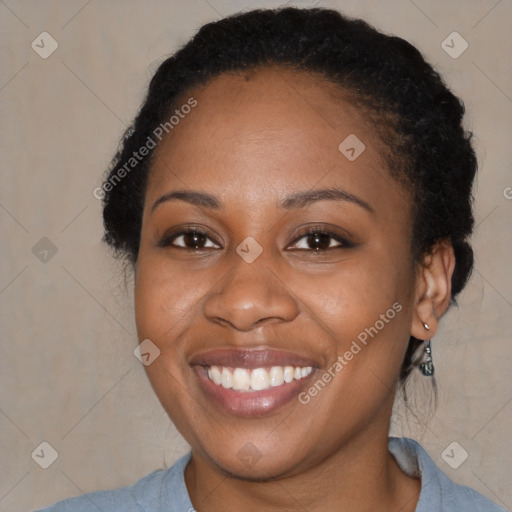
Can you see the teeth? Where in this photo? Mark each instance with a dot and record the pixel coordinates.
(288, 373)
(259, 379)
(215, 375)
(276, 376)
(242, 379)
(227, 379)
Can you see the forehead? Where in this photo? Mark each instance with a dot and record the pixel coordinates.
(261, 103)
(268, 128)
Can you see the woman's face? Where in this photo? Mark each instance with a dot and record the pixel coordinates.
(301, 259)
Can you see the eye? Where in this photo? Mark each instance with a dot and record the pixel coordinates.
(320, 239)
(195, 239)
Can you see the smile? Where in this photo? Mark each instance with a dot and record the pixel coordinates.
(252, 382)
(257, 379)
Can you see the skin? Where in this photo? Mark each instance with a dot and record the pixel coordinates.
(252, 140)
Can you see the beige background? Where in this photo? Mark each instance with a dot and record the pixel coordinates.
(69, 376)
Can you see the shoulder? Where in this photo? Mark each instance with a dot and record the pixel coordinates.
(162, 490)
(438, 492)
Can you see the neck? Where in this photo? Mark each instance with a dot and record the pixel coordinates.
(361, 475)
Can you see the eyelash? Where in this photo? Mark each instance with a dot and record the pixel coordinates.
(168, 240)
(344, 243)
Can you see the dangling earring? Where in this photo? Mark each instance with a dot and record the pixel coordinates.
(427, 366)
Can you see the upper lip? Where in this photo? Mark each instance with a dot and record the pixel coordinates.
(250, 359)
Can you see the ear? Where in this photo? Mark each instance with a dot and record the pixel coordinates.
(433, 289)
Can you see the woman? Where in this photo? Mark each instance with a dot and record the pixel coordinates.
(295, 199)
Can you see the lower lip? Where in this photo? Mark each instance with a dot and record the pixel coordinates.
(251, 403)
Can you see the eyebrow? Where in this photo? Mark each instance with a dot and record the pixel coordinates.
(296, 200)
(192, 197)
(301, 199)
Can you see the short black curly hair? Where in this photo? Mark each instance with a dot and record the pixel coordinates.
(417, 117)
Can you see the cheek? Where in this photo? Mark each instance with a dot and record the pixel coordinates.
(353, 297)
(164, 303)
(367, 321)
(364, 307)
(164, 298)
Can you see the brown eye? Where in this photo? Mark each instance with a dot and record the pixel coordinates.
(189, 239)
(195, 240)
(320, 240)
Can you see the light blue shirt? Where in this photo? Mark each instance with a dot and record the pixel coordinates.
(164, 490)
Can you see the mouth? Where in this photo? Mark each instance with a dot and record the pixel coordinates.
(252, 382)
(258, 379)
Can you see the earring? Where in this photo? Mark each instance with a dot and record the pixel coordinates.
(427, 366)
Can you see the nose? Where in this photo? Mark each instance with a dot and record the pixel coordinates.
(250, 295)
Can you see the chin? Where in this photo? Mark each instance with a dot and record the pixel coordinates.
(254, 474)
(250, 465)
